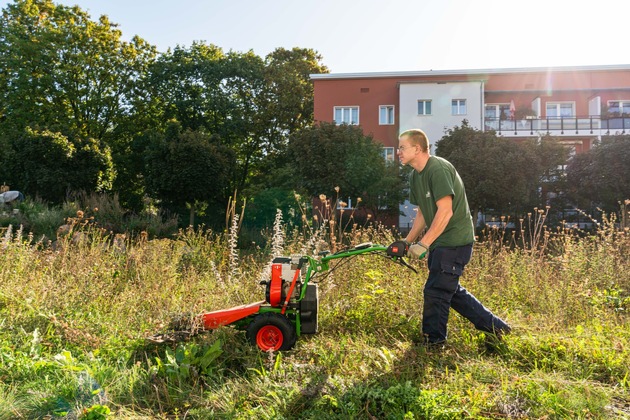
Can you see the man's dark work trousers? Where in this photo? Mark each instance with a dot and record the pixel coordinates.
(442, 291)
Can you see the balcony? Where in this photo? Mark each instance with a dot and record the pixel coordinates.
(559, 126)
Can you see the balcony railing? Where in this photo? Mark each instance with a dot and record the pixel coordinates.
(564, 126)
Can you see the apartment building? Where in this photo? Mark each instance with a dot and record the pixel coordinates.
(575, 104)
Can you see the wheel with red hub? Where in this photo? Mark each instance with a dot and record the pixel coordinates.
(271, 331)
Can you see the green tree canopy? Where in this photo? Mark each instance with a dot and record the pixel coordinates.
(204, 88)
(188, 168)
(69, 76)
(601, 176)
(50, 165)
(285, 107)
(289, 100)
(327, 155)
(250, 104)
(500, 173)
(62, 71)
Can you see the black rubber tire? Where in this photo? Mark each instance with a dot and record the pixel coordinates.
(271, 331)
(309, 306)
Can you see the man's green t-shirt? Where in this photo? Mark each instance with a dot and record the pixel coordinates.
(439, 179)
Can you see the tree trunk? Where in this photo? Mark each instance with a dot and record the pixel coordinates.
(192, 216)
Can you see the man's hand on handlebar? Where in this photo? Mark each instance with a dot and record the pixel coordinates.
(398, 249)
(404, 249)
(418, 250)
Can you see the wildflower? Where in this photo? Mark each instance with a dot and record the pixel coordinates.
(277, 246)
(337, 189)
(80, 214)
(233, 252)
(343, 204)
(315, 218)
(322, 197)
(359, 199)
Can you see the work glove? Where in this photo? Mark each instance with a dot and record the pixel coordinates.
(398, 249)
(418, 250)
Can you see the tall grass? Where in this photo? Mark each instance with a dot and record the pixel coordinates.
(73, 321)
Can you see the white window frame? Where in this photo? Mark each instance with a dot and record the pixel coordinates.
(389, 114)
(346, 114)
(422, 103)
(558, 109)
(348, 204)
(498, 108)
(621, 105)
(389, 154)
(458, 107)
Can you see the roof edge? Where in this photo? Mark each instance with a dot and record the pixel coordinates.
(460, 72)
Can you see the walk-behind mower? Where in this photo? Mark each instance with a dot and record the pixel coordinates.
(291, 304)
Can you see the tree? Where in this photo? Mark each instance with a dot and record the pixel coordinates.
(251, 105)
(188, 168)
(327, 155)
(64, 72)
(50, 165)
(500, 173)
(285, 106)
(601, 176)
(553, 157)
(203, 88)
(289, 100)
(61, 72)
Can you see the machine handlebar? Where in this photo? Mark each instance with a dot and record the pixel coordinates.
(366, 248)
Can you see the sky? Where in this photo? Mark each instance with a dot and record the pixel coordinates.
(388, 35)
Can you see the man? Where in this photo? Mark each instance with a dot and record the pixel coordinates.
(438, 191)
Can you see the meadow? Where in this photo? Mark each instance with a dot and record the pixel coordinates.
(74, 318)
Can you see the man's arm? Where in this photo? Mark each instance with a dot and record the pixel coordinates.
(441, 219)
(417, 227)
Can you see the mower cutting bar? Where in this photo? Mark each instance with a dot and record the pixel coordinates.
(216, 319)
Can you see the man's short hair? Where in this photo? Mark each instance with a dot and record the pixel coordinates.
(417, 137)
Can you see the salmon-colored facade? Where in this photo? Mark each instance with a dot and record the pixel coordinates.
(578, 105)
(568, 102)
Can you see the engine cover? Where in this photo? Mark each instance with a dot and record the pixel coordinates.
(282, 274)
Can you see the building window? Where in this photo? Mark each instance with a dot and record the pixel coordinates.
(344, 205)
(458, 107)
(388, 154)
(424, 107)
(386, 115)
(497, 111)
(560, 110)
(347, 115)
(619, 107)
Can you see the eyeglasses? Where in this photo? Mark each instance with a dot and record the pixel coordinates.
(403, 148)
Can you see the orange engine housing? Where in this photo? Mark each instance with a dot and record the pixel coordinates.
(282, 274)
